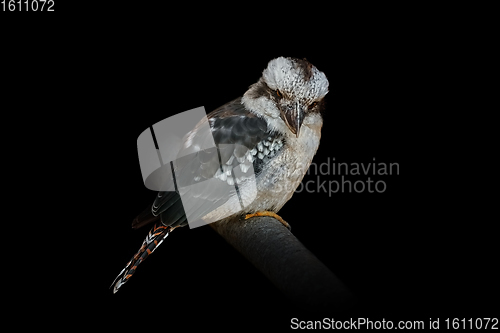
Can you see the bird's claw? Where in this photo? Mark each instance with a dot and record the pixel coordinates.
(271, 214)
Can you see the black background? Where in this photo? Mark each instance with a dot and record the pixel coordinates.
(402, 253)
(395, 251)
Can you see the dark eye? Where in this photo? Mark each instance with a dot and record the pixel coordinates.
(311, 106)
(278, 93)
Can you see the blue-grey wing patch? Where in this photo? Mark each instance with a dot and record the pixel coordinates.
(242, 139)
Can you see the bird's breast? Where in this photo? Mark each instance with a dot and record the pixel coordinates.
(279, 177)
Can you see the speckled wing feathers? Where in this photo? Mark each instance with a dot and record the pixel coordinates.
(241, 138)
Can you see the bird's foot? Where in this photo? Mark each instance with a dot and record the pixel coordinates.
(272, 214)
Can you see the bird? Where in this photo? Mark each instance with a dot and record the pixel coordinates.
(274, 128)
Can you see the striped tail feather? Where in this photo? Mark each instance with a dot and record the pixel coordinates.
(154, 238)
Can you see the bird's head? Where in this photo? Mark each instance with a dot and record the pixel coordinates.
(290, 89)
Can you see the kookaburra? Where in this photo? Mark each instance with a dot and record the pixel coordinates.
(276, 127)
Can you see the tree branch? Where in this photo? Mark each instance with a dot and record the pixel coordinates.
(293, 269)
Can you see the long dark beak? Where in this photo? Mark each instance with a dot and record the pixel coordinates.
(293, 115)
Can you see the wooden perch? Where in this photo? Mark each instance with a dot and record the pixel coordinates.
(293, 269)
